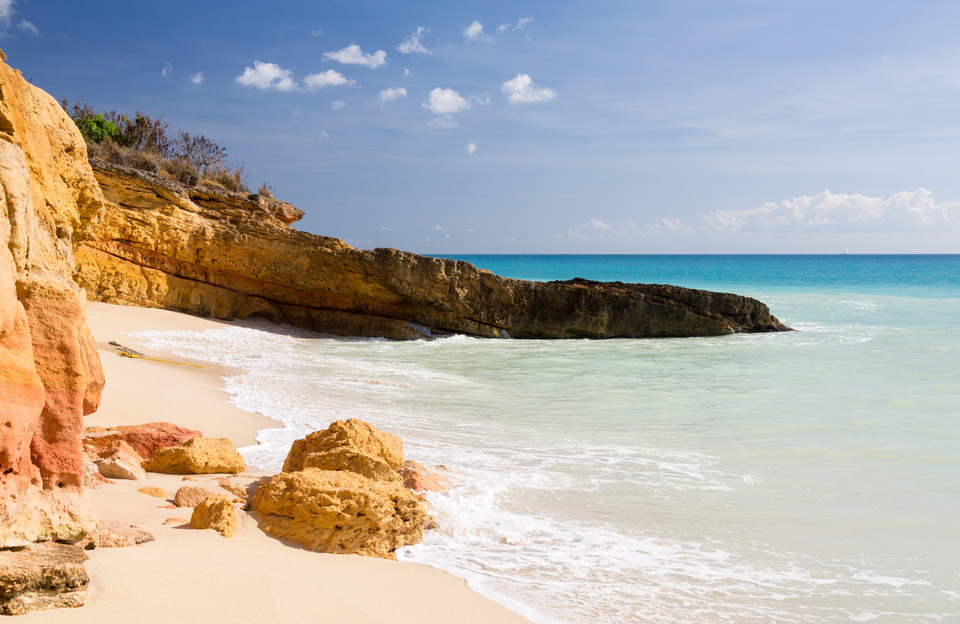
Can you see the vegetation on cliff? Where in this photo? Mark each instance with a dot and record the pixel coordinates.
(148, 144)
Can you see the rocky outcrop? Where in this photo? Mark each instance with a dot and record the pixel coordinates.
(216, 512)
(144, 439)
(351, 445)
(227, 256)
(42, 576)
(197, 456)
(340, 493)
(50, 374)
(339, 512)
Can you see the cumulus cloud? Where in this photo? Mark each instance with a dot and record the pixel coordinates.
(843, 212)
(329, 78)
(412, 44)
(521, 90)
(353, 55)
(338, 105)
(389, 95)
(267, 76)
(28, 27)
(471, 148)
(446, 102)
(197, 78)
(474, 32)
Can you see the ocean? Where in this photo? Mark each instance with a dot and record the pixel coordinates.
(810, 476)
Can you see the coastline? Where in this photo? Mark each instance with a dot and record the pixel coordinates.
(250, 577)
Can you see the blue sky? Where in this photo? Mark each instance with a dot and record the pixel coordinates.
(548, 127)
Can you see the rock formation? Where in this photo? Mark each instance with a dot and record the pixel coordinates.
(42, 576)
(144, 439)
(229, 256)
(340, 493)
(351, 445)
(197, 456)
(216, 512)
(50, 374)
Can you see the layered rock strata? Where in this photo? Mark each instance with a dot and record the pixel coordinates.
(230, 256)
(50, 374)
(42, 576)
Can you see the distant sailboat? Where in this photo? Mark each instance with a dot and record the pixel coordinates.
(844, 252)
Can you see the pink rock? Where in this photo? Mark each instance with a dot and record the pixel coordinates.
(144, 439)
(115, 534)
(421, 482)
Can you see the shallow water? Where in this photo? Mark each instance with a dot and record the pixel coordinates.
(809, 476)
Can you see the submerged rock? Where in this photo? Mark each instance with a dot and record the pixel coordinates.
(42, 576)
(197, 456)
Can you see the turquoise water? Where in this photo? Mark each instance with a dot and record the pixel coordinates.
(810, 476)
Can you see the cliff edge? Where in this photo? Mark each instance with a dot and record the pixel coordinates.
(50, 374)
(220, 254)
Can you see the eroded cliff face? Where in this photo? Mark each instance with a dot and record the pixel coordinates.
(50, 374)
(230, 256)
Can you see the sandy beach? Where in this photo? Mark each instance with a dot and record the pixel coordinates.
(188, 574)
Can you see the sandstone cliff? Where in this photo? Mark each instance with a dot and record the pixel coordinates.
(50, 373)
(230, 256)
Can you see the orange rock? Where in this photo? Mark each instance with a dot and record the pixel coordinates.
(191, 496)
(50, 374)
(350, 445)
(175, 520)
(197, 456)
(154, 491)
(217, 513)
(116, 534)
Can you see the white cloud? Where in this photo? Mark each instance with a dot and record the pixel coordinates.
(412, 44)
(267, 76)
(596, 229)
(197, 78)
(389, 95)
(474, 32)
(843, 212)
(406, 72)
(600, 226)
(167, 70)
(521, 90)
(29, 27)
(329, 78)
(6, 11)
(520, 25)
(316, 32)
(338, 105)
(353, 55)
(446, 102)
(471, 148)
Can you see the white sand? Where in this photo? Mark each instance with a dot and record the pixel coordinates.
(190, 575)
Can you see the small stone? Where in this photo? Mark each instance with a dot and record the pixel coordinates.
(152, 490)
(116, 534)
(191, 496)
(175, 521)
(166, 507)
(216, 512)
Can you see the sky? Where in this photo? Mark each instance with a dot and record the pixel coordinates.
(640, 126)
